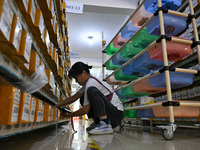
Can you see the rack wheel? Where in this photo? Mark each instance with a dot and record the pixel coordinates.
(166, 135)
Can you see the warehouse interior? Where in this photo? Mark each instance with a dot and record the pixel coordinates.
(147, 51)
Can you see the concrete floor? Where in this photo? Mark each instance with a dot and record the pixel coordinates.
(131, 138)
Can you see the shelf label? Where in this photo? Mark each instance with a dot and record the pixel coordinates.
(74, 7)
(74, 54)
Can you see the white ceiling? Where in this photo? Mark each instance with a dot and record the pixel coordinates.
(98, 16)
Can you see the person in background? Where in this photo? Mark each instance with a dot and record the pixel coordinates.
(98, 101)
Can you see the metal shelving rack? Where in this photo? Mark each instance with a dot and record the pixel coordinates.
(167, 130)
(13, 71)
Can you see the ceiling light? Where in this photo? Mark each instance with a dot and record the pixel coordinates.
(90, 39)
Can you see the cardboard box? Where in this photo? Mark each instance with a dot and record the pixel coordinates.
(33, 11)
(17, 34)
(49, 4)
(184, 94)
(32, 109)
(13, 26)
(5, 26)
(27, 5)
(41, 24)
(1, 6)
(44, 35)
(5, 62)
(8, 11)
(24, 107)
(9, 98)
(25, 45)
(38, 14)
(50, 48)
(52, 80)
(34, 61)
(47, 112)
(54, 53)
(55, 114)
(39, 111)
(48, 73)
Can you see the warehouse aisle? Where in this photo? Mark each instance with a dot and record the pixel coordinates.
(129, 139)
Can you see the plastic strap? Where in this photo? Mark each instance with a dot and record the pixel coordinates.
(101, 84)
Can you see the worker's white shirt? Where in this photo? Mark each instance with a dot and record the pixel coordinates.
(92, 82)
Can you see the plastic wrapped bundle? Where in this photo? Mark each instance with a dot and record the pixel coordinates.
(35, 82)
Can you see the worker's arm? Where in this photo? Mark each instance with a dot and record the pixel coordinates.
(69, 100)
(82, 111)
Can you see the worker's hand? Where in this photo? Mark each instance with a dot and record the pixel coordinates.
(57, 105)
(65, 114)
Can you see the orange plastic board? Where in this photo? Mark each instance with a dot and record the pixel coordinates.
(179, 111)
(144, 86)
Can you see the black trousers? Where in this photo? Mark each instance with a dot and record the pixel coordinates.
(100, 106)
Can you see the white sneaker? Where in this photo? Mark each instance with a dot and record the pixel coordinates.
(93, 125)
(101, 128)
